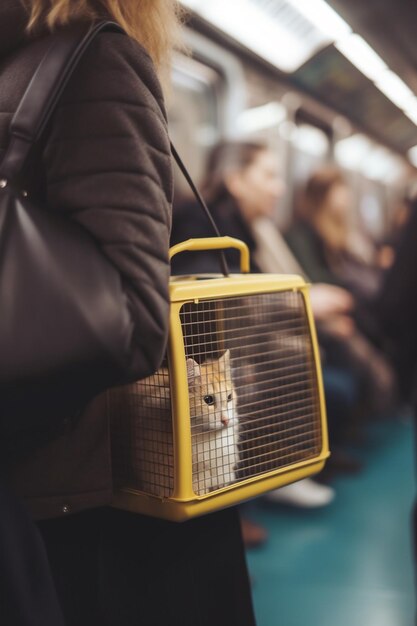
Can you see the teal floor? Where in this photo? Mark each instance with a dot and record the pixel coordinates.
(350, 563)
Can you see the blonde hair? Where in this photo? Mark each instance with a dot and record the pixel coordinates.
(153, 23)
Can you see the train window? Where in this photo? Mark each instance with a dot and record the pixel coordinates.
(194, 115)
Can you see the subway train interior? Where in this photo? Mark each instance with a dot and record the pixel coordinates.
(329, 91)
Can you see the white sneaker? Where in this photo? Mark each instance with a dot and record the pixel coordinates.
(305, 493)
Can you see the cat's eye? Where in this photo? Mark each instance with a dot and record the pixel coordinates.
(209, 399)
(229, 397)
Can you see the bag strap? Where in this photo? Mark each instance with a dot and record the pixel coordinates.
(202, 204)
(44, 90)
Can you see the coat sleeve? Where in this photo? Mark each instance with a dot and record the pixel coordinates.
(108, 165)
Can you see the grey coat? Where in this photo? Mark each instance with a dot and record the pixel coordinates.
(105, 161)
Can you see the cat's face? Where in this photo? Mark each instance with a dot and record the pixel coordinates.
(212, 395)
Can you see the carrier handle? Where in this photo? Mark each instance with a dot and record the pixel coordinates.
(214, 243)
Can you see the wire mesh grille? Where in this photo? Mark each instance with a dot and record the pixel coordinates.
(142, 435)
(254, 406)
(252, 385)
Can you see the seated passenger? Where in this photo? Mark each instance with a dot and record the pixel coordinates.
(328, 250)
(325, 245)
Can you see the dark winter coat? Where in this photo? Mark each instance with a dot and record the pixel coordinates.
(104, 161)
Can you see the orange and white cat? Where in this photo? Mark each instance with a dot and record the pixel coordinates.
(214, 423)
(214, 428)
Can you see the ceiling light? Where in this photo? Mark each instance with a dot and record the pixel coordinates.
(287, 33)
(367, 61)
(394, 88)
(362, 56)
(323, 17)
(275, 30)
(411, 110)
(412, 116)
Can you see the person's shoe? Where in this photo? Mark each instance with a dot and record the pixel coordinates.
(253, 535)
(304, 494)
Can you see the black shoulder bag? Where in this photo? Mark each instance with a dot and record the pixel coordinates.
(65, 328)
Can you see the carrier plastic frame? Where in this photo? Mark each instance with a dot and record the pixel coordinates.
(184, 503)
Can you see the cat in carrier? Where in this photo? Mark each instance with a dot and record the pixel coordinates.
(145, 410)
(214, 423)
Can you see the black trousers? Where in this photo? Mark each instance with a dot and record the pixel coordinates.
(113, 568)
(27, 593)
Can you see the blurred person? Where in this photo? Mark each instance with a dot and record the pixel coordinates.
(321, 241)
(105, 161)
(243, 188)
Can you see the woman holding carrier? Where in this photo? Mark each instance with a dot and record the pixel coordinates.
(103, 162)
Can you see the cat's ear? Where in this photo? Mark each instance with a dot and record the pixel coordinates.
(193, 371)
(224, 361)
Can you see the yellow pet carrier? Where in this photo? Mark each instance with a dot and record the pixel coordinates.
(236, 410)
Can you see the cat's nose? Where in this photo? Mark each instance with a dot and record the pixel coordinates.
(224, 421)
